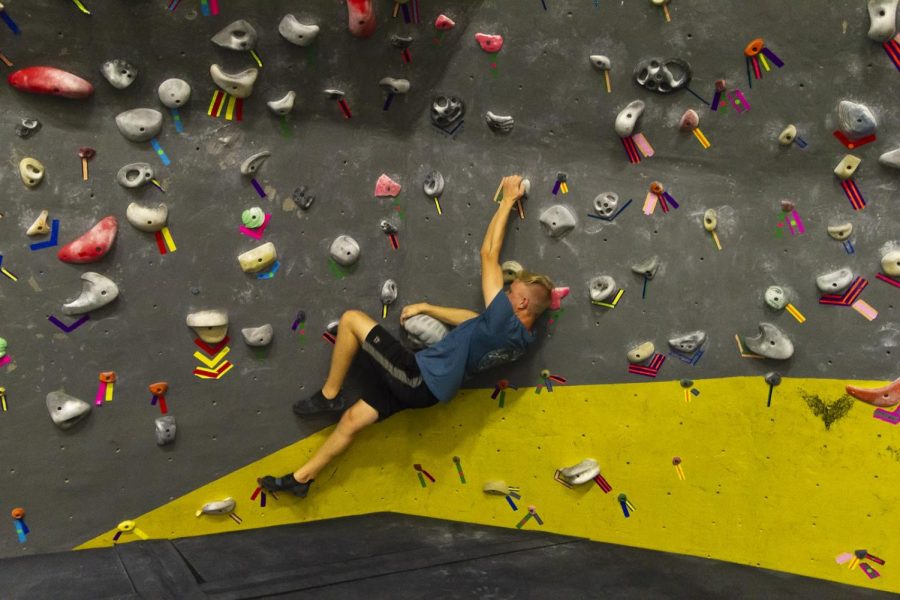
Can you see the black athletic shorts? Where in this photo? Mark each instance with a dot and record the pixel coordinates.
(394, 381)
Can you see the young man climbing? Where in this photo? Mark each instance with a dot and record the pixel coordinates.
(498, 335)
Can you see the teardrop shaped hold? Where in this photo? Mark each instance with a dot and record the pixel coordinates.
(93, 244)
(628, 117)
(139, 124)
(211, 326)
(296, 32)
(96, 292)
(51, 81)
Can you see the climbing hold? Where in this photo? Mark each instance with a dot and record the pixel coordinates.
(93, 244)
(219, 507)
(166, 429)
(239, 35)
(31, 170)
(296, 32)
(27, 127)
(434, 184)
(659, 2)
(211, 326)
(511, 270)
(135, 175)
(773, 378)
(662, 75)
(139, 124)
(688, 343)
(147, 218)
(96, 291)
(252, 163)
(710, 219)
(770, 343)
(499, 123)
(385, 186)
(602, 288)
(556, 296)
(388, 292)
(258, 336)
(119, 73)
(488, 42)
(444, 23)
(344, 250)
(261, 257)
(882, 20)
(721, 85)
(447, 110)
(647, 268)
(40, 225)
(888, 159)
(50, 80)
(3, 347)
(787, 206)
(856, 120)
(840, 232)
(686, 383)
(401, 42)
(334, 94)
(600, 62)
(239, 85)
(557, 220)
(775, 297)
(787, 135)
(66, 410)
(689, 121)
(583, 472)
(847, 167)
(496, 488)
(890, 263)
(627, 118)
(361, 18)
(835, 282)
(174, 92)
(253, 217)
(387, 227)
(606, 203)
(302, 199)
(394, 86)
(424, 331)
(641, 352)
(885, 397)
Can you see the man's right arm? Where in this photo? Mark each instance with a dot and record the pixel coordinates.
(444, 314)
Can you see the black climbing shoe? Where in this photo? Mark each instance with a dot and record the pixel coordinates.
(317, 403)
(285, 483)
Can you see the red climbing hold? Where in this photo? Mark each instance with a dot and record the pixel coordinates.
(489, 43)
(444, 23)
(361, 18)
(385, 186)
(50, 80)
(93, 245)
(884, 397)
(556, 297)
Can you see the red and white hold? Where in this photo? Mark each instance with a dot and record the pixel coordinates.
(444, 23)
(52, 81)
(361, 18)
(93, 245)
(385, 186)
(489, 43)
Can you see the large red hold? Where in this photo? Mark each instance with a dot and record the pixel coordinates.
(385, 186)
(885, 397)
(361, 18)
(488, 42)
(50, 80)
(93, 245)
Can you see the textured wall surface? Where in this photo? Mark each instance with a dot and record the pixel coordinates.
(76, 484)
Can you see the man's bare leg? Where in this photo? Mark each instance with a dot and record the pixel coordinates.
(353, 328)
(354, 419)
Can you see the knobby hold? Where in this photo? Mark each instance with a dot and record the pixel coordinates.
(840, 232)
(890, 263)
(344, 250)
(135, 175)
(40, 225)
(662, 75)
(159, 388)
(847, 167)
(302, 198)
(641, 352)
(107, 377)
(710, 219)
(385, 186)
(284, 105)
(388, 227)
(296, 32)
(394, 86)
(239, 35)
(334, 93)
(239, 85)
(27, 127)
(787, 135)
(434, 184)
(606, 203)
(511, 270)
(787, 206)
(491, 43)
(31, 170)
(686, 383)
(557, 221)
(119, 73)
(888, 159)
(52, 81)
(856, 120)
(583, 472)
(253, 162)
(447, 110)
(602, 288)
(261, 257)
(688, 343)
(721, 85)
(93, 244)
(835, 282)
(627, 118)
(211, 326)
(65, 410)
(424, 331)
(689, 121)
(401, 42)
(3, 347)
(96, 291)
(771, 342)
(773, 378)
(775, 297)
(882, 20)
(444, 23)
(361, 18)
(219, 507)
(174, 92)
(600, 62)
(147, 218)
(499, 123)
(885, 396)
(258, 336)
(86, 152)
(166, 430)
(253, 217)
(139, 124)
(647, 268)
(388, 292)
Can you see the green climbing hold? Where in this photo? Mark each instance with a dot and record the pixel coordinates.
(253, 217)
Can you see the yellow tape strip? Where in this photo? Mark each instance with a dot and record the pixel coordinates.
(701, 138)
(109, 391)
(764, 62)
(229, 113)
(213, 362)
(167, 236)
(212, 103)
(795, 313)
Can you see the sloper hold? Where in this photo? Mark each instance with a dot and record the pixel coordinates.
(239, 85)
(890, 158)
(65, 410)
(210, 325)
(689, 342)
(385, 186)
(96, 291)
(890, 263)
(602, 288)
(174, 92)
(499, 123)
(583, 472)
(444, 23)
(344, 250)
(52, 81)
(93, 245)
(253, 162)
(166, 430)
(40, 225)
(261, 257)
(557, 221)
(628, 117)
(775, 297)
(840, 232)
(855, 119)
(296, 32)
(491, 43)
(787, 135)
(139, 124)
(510, 269)
(239, 35)
(360, 18)
(147, 218)
(424, 331)
(284, 105)
(647, 268)
(771, 342)
(434, 184)
(394, 86)
(119, 73)
(219, 507)
(885, 397)
(258, 336)
(882, 20)
(32, 171)
(835, 282)
(135, 175)
(847, 167)
(600, 62)
(388, 292)
(641, 352)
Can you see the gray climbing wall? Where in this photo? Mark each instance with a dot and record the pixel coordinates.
(78, 483)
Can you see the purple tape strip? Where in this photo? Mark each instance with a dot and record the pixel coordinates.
(258, 188)
(773, 57)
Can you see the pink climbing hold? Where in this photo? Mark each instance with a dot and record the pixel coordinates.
(489, 43)
(444, 23)
(93, 245)
(556, 297)
(385, 186)
(361, 18)
(52, 81)
(884, 397)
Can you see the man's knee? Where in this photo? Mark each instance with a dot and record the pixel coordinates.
(356, 321)
(357, 417)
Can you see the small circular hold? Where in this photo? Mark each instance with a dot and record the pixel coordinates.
(676, 461)
(686, 383)
(657, 188)
(710, 220)
(18, 513)
(773, 378)
(754, 47)
(545, 373)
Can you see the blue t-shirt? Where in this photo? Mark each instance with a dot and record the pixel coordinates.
(494, 337)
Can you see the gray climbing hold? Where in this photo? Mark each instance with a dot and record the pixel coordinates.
(773, 378)
(606, 203)
(647, 268)
(147, 218)
(388, 227)
(239, 35)
(882, 19)
(258, 336)
(557, 220)
(388, 292)
(219, 507)
(686, 383)
(119, 73)
(447, 110)
(600, 62)
(394, 86)
(139, 124)
(27, 128)
(259, 258)
(284, 105)
(344, 250)
(296, 32)
(401, 42)
(174, 92)
(166, 430)
(423, 331)
(434, 184)
(710, 219)
(96, 291)
(511, 270)
(888, 159)
(499, 123)
(775, 297)
(689, 342)
(627, 118)
(641, 352)
(840, 232)
(333, 93)
(32, 171)
(239, 85)
(662, 75)
(602, 288)
(890, 263)
(302, 199)
(771, 342)
(135, 175)
(583, 472)
(787, 135)
(211, 326)
(253, 162)
(835, 282)
(65, 410)
(856, 120)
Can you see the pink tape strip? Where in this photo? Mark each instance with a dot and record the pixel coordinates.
(643, 145)
(865, 309)
(257, 233)
(5, 360)
(101, 393)
(650, 203)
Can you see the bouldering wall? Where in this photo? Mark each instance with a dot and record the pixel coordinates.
(770, 480)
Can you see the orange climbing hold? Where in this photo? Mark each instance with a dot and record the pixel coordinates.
(884, 397)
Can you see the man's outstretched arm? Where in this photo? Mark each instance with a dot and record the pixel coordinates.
(444, 314)
(491, 275)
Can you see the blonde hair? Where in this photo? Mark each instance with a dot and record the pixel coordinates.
(540, 302)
